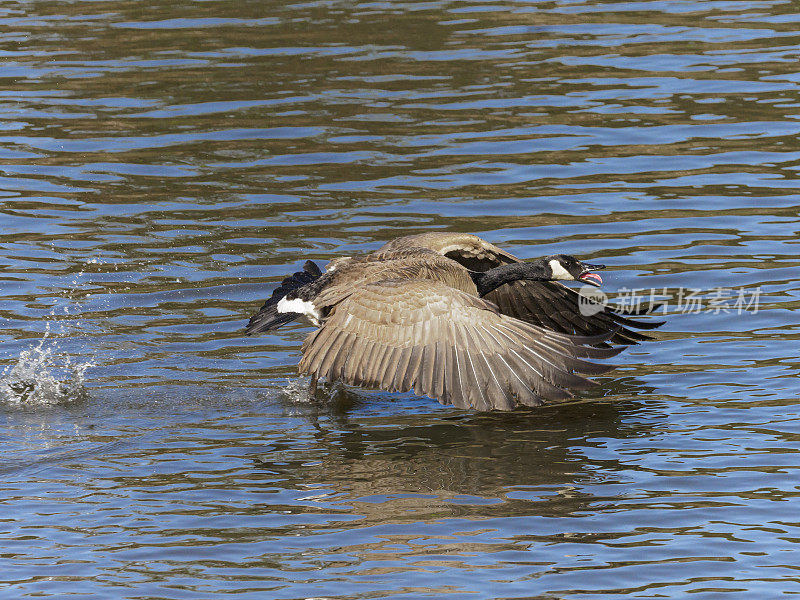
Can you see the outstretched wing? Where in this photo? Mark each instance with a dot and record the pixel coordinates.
(400, 335)
(555, 306)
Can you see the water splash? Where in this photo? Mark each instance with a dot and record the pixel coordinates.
(43, 375)
(296, 391)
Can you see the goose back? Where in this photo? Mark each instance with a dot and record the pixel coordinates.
(467, 249)
(406, 264)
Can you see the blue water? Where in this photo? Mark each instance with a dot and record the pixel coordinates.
(163, 166)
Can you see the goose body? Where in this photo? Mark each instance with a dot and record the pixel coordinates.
(451, 317)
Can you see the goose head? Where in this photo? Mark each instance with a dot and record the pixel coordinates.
(565, 267)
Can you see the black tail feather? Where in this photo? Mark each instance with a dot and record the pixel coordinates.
(268, 317)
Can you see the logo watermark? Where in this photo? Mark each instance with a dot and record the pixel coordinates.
(593, 300)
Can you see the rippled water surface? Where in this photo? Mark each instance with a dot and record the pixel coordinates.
(164, 164)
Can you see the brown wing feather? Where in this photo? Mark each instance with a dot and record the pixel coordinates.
(400, 335)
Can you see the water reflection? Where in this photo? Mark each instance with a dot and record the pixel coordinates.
(472, 455)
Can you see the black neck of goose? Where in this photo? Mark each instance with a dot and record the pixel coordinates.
(487, 281)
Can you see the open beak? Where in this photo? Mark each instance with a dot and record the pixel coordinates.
(591, 278)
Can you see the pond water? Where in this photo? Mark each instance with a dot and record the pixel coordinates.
(163, 165)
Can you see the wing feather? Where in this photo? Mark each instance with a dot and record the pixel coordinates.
(351, 351)
(410, 377)
(334, 348)
(554, 306)
(378, 366)
(362, 359)
(425, 379)
(390, 369)
(398, 381)
(477, 398)
(498, 384)
(443, 343)
(440, 382)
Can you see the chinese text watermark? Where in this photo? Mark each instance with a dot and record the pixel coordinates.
(685, 300)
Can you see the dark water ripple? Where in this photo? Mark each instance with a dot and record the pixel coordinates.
(161, 169)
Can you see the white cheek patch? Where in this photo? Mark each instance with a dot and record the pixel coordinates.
(299, 306)
(559, 272)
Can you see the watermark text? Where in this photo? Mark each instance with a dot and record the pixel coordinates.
(663, 300)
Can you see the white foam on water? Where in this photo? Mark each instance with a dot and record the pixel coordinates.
(297, 392)
(44, 374)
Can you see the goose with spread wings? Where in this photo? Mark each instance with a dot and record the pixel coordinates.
(450, 317)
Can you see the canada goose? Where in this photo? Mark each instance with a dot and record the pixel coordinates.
(417, 315)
